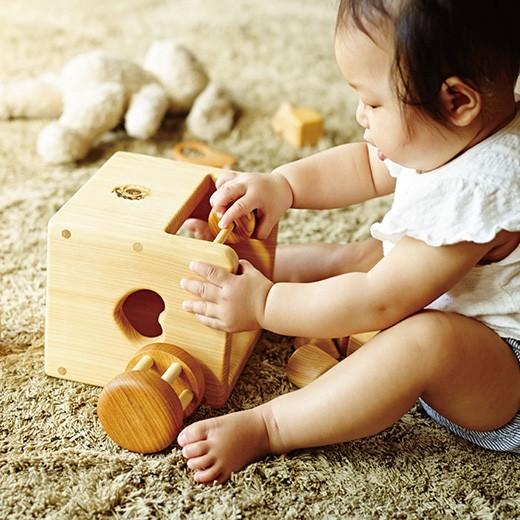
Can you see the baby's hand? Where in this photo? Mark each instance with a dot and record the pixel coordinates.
(230, 302)
(241, 193)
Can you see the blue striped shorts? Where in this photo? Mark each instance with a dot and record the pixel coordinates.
(506, 438)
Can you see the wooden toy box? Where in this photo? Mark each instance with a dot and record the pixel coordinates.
(114, 267)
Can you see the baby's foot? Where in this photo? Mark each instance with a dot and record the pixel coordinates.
(216, 447)
(197, 227)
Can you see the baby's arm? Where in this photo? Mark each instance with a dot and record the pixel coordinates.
(409, 278)
(402, 283)
(335, 178)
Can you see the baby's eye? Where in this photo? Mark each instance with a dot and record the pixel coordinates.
(369, 105)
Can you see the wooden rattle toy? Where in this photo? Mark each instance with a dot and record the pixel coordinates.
(143, 409)
(115, 261)
(199, 153)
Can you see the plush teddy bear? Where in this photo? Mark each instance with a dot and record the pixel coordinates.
(95, 92)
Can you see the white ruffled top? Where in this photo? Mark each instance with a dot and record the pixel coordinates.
(471, 198)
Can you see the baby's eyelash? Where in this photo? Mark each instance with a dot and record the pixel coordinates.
(369, 105)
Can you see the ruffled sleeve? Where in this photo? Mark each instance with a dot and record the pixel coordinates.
(441, 210)
(471, 198)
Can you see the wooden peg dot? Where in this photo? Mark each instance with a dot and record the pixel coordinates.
(172, 373)
(185, 398)
(144, 363)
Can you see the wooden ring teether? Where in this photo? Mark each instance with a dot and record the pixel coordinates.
(201, 154)
(239, 230)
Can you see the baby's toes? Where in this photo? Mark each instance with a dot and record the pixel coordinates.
(195, 449)
(193, 433)
(208, 476)
(199, 463)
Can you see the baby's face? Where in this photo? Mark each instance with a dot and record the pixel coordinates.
(404, 136)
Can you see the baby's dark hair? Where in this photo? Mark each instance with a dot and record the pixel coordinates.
(476, 40)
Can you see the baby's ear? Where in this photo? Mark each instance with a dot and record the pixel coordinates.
(461, 102)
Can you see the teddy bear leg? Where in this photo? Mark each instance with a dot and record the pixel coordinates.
(146, 111)
(87, 114)
(30, 98)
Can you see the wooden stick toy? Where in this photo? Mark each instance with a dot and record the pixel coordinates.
(241, 229)
(115, 262)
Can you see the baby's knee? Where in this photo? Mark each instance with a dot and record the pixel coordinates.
(429, 323)
(430, 334)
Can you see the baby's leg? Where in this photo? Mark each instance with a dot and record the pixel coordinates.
(196, 227)
(459, 366)
(311, 262)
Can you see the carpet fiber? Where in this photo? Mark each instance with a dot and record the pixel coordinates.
(55, 460)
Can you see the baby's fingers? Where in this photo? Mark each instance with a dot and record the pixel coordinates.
(225, 177)
(204, 290)
(212, 273)
(201, 308)
(241, 207)
(205, 312)
(226, 195)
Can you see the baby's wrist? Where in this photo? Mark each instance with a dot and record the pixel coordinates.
(262, 313)
(287, 190)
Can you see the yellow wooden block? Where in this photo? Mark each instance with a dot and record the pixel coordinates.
(300, 126)
(114, 267)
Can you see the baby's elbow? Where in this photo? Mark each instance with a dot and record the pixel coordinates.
(388, 308)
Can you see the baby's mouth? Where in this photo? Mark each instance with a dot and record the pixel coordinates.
(380, 154)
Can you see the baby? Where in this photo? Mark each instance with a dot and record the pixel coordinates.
(441, 276)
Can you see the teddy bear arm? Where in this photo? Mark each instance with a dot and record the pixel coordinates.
(146, 110)
(95, 109)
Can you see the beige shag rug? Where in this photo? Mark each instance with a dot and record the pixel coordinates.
(55, 461)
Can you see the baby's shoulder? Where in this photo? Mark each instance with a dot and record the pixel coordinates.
(496, 160)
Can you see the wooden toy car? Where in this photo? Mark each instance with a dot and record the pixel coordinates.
(114, 267)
